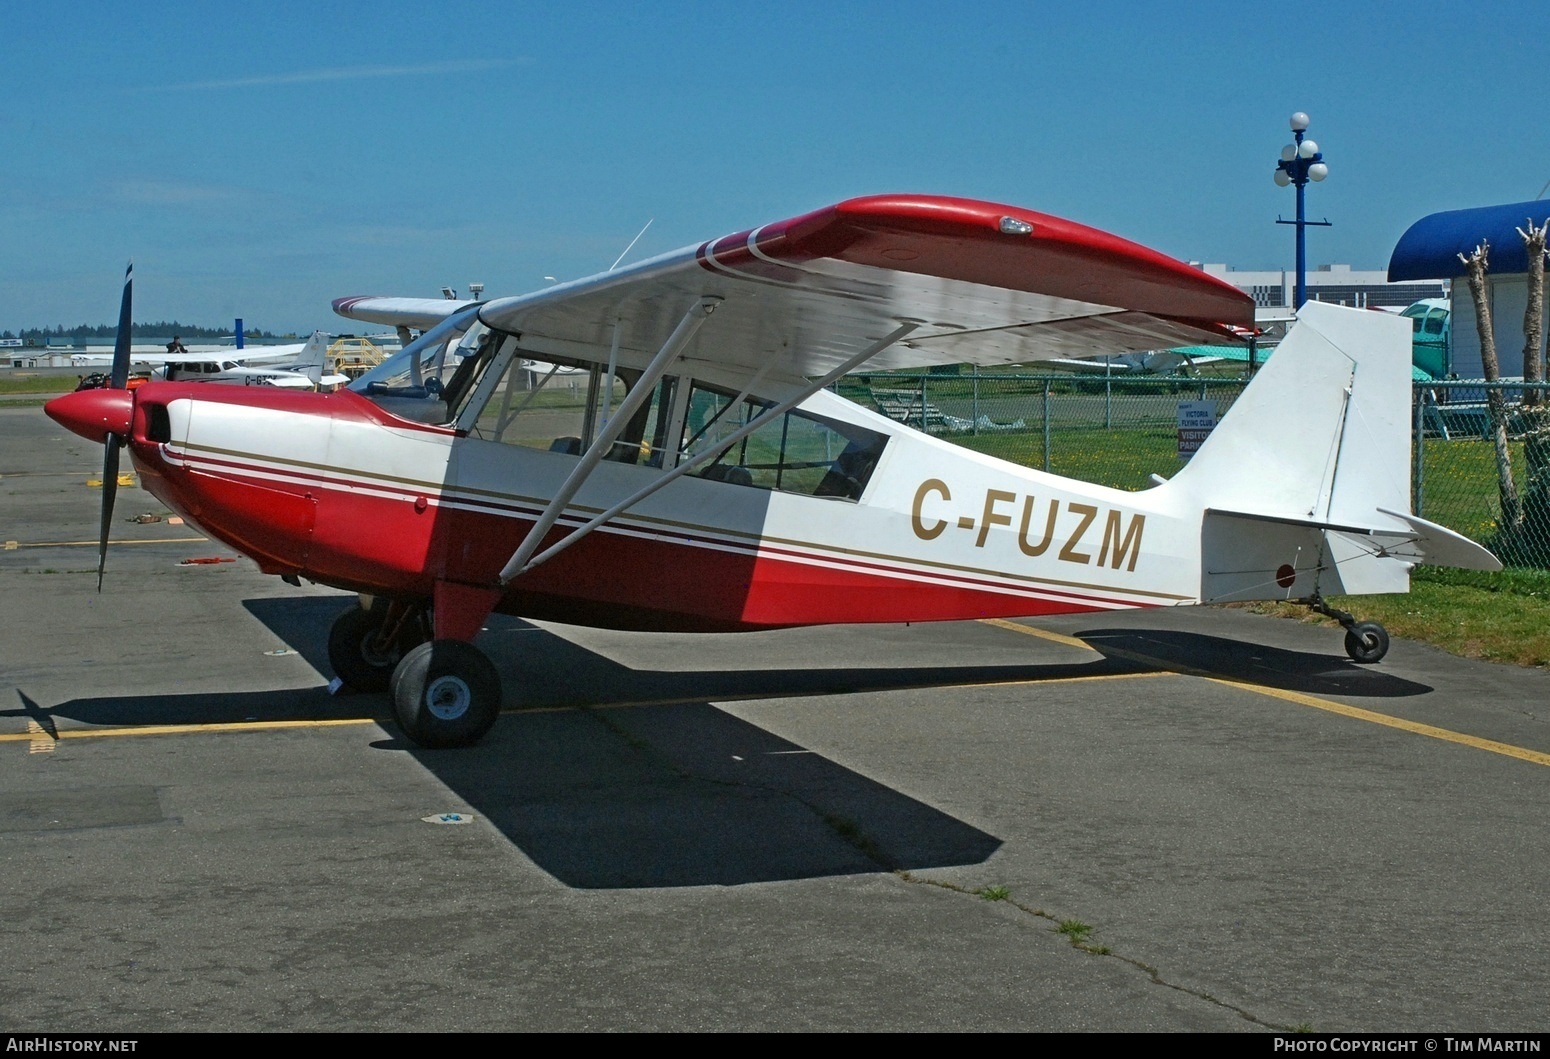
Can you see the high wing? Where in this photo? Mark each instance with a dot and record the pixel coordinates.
(983, 283)
(420, 313)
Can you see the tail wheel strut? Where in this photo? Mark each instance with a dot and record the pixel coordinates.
(1365, 641)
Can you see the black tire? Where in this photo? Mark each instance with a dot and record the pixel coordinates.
(352, 654)
(1366, 642)
(446, 693)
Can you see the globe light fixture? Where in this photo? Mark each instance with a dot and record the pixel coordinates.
(1301, 161)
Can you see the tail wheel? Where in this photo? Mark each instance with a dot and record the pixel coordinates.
(365, 646)
(446, 693)
(1366, 642)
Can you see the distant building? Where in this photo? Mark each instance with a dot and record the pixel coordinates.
(1431, 248)
(1274, 290)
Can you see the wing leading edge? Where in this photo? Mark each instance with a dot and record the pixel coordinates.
(988, 284)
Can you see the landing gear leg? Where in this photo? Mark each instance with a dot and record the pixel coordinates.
(365, 645)
(1365, 641)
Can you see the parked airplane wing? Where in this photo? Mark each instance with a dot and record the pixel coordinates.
(988, 284)
(419, 313)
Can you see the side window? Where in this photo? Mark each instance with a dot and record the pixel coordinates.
(794, 453)
(644, 438)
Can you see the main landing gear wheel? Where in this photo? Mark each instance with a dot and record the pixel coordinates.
(364, 651)
(446, 693)
(1366, 642)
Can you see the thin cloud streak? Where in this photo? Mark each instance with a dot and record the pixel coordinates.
(353, 73)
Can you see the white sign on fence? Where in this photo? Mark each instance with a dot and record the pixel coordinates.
(1196, 418)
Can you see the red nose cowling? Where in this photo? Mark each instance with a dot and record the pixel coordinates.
(94, 414)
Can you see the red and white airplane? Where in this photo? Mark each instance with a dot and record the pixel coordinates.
(701, 477)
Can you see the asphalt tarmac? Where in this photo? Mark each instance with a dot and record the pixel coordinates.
(1198, 820)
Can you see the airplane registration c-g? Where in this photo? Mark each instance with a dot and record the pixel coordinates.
(699, 476)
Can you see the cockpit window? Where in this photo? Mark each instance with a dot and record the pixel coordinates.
(562, 405)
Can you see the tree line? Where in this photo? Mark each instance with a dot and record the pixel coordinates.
(37, 336)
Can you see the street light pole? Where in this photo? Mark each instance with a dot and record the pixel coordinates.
(1301, 162)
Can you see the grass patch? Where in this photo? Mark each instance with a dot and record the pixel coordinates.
(1074, 929)
(1077, 933)
(995, 893)
(1120, 458)
(1458, 484)
(37, 383)
(1498, 617)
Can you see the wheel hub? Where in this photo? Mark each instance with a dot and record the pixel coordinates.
(448, 698)
(375, 653)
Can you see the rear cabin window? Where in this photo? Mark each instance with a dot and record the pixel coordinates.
(795, 453)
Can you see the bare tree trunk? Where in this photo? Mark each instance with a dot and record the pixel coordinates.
(1476, 263)
(1534, 313)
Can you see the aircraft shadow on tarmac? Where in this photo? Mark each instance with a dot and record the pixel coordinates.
(1254, 663)
(671, 794)
(676, 792)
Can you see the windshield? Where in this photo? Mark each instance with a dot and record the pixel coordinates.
(422, 381)
(427, 356)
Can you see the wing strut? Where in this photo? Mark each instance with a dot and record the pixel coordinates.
(520, 565)
(697, 315)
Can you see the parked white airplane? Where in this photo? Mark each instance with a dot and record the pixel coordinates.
(303, 370)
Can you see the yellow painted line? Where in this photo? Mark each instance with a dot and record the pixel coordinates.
(185, 729)
(79, 544)
(1356, 712)
(1068, 680)
(1536, 757)
(40, 742)
(1043, 634)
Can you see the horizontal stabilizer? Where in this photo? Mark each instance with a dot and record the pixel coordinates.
(1253, 556)
(1440, 546)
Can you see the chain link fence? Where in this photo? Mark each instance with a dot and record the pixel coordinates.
(1119, 431)
(1461, 477)
(1112, 430)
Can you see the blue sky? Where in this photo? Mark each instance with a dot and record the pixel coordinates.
(261, 159)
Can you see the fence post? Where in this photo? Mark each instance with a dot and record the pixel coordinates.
(1417, 459)
(976, 413)
(923, 405)
(1108, 394)
(1046, 424)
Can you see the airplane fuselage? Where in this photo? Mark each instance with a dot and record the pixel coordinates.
(334, 489)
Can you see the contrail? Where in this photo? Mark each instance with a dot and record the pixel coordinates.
(349, 73)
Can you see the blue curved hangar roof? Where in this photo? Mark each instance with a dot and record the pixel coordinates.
(1431, 247)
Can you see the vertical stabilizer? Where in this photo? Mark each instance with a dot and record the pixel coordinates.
(1322, 433)
(314, 356)
(1304, 485)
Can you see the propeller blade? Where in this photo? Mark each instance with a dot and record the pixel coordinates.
(111, 444)
(120, 377)
(110, 449)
